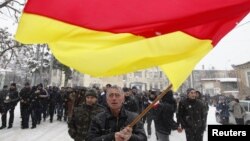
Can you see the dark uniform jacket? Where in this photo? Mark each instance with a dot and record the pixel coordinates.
(104, 126)
(80, 121)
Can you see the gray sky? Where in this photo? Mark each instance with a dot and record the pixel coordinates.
(234, 48)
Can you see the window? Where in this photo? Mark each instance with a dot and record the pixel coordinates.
(248, 78)
(161, 74)
(125, 77)
(150, 86)
(138, 74)
(161, 86)
(210, 91)
(245, 105)
(54, 72)
(156, 85)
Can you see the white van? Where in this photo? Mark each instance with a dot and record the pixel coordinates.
(246, 105)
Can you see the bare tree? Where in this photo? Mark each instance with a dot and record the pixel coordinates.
(7, 44)
(67, 70)
(12, 9)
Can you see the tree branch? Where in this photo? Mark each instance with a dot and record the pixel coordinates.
(13, 9)
(9, 60)
(18, 2)
(9, 48)
(5, 3)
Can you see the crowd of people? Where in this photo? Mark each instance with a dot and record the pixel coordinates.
(226, 105)
(106, 114)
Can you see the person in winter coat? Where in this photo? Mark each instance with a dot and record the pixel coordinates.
(164, 114)
(238, 112)
(223, 109)
(191, 116)
(10, 101)
(35, 107)
(112, 125)
(151, 112)
(24, 96)
(3, 94)
(43, 97)
(82, 115)
(205, 103)
(130, 102)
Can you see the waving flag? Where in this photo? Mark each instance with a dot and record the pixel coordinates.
(112, 37)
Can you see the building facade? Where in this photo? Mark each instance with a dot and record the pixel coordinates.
(243, 75)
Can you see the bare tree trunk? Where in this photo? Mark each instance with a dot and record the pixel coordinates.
(41, 68)
(65, 80)
(50, 69)
(60, 81)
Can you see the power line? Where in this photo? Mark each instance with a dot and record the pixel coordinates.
(247, 22)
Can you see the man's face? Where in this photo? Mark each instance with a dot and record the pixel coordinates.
(134, 91)
(128, 93)
(115, 98)
(192, 94)
(91, 100)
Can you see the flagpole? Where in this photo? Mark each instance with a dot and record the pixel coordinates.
(138, 118)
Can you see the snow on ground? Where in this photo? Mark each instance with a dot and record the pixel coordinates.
(58, 131)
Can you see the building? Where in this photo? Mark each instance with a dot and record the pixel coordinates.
(243, 75)
(224, 86)
(147, 79)
(210, 81)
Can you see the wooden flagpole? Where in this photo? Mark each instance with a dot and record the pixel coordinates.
(138, 118)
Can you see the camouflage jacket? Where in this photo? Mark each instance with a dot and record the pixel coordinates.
(80, 121)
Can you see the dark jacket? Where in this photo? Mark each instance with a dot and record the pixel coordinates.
(80, 121)
(34, 99)
(223, 107)
(130, 104)
(24, 95)
(104, 126)
(3, 94)
(191, 114)
(12, 97)
(164, 121)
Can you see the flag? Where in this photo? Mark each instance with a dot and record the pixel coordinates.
(111, 37)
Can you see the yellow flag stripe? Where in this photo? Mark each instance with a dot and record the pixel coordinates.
(106, 54)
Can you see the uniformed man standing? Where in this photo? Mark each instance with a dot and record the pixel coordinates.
(82, 115)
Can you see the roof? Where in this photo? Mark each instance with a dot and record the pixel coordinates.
(230, 91)
(241, 65)
(220, 79)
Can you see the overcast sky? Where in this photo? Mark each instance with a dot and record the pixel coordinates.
(234, 48)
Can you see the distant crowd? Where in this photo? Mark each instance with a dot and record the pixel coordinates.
(107, 113)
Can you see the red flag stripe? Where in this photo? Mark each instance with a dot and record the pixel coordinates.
(146, 18)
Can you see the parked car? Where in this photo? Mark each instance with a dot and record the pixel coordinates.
(246, 105)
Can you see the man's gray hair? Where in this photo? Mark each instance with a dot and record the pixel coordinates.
(116, 87)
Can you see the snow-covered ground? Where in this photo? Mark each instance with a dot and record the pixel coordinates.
(58, 131)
